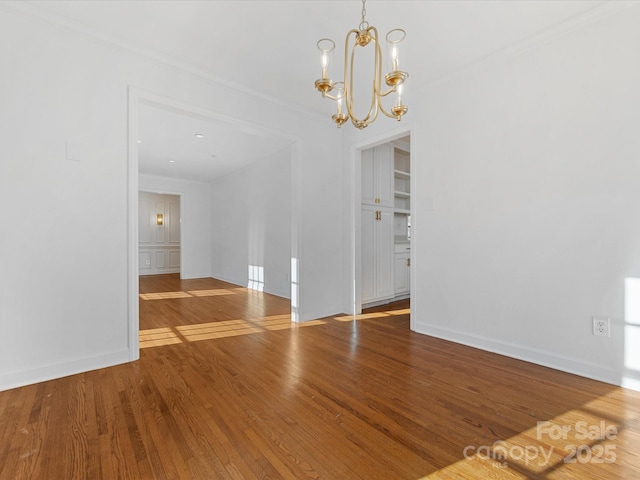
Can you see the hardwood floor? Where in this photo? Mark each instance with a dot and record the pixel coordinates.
(227, 388)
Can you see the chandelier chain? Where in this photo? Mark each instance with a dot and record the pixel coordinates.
(364, 24)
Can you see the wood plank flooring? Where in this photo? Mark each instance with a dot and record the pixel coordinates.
(227, 388)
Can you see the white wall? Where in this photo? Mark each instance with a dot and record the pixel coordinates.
(533, 165)
(532, 161)
(317, 217)
(196, 226)
(251, 226)
(65, 286)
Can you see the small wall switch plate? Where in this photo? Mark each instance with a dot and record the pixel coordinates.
(73, 151)
(601, 326)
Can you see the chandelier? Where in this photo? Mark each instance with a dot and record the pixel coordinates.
(343, 91)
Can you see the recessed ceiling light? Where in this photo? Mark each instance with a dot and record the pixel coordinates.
(172, 161)
(199, 135)
(139, 141)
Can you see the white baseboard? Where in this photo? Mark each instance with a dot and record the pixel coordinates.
(278, 293)
(539, 357)
(386, 301)
(222, 278)
(191, 276)
(51, 372)
(144, 273)
(275, 292)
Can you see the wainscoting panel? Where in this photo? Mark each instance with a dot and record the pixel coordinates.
(159, 233)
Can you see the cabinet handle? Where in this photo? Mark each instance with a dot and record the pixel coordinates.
(377, 215)
(408, 262)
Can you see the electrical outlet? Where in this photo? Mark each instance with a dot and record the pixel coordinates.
(601, 327)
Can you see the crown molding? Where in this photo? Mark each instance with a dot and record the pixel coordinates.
(33, 12)
(596, 14)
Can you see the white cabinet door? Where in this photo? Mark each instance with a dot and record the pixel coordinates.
(385, 254)
(368, 254)
(369, 181)
(376, 254)
(402, 273)
(376, 175)
(383, 160)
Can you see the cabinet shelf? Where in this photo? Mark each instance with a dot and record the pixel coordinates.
(402, 174)
(402, 194)
(402, 211)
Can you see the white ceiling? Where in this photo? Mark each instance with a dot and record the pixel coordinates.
(168, 146)
(269, 47)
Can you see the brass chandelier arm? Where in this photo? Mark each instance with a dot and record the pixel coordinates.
(362, 38)
(381, 107)
(390, 115)
(397, 111)
(332, 97)
(391, 90)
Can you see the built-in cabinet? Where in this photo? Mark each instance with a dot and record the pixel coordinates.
(377, 253)
(385, 223)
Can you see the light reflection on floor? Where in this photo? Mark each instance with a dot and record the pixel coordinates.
(188, 294)
(156, 337)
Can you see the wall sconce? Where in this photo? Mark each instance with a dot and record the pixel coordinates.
(160, 219)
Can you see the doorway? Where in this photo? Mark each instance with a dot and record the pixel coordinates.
(196, 244)
(384, 222)
(159, 233)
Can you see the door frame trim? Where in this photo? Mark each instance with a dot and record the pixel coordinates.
(135, 96)
(356, 189)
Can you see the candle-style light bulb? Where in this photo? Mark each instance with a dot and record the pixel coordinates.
(394, 59)
(339, 96)
(399, 97)
(394, 43)
(339, 117)
(326, 46)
